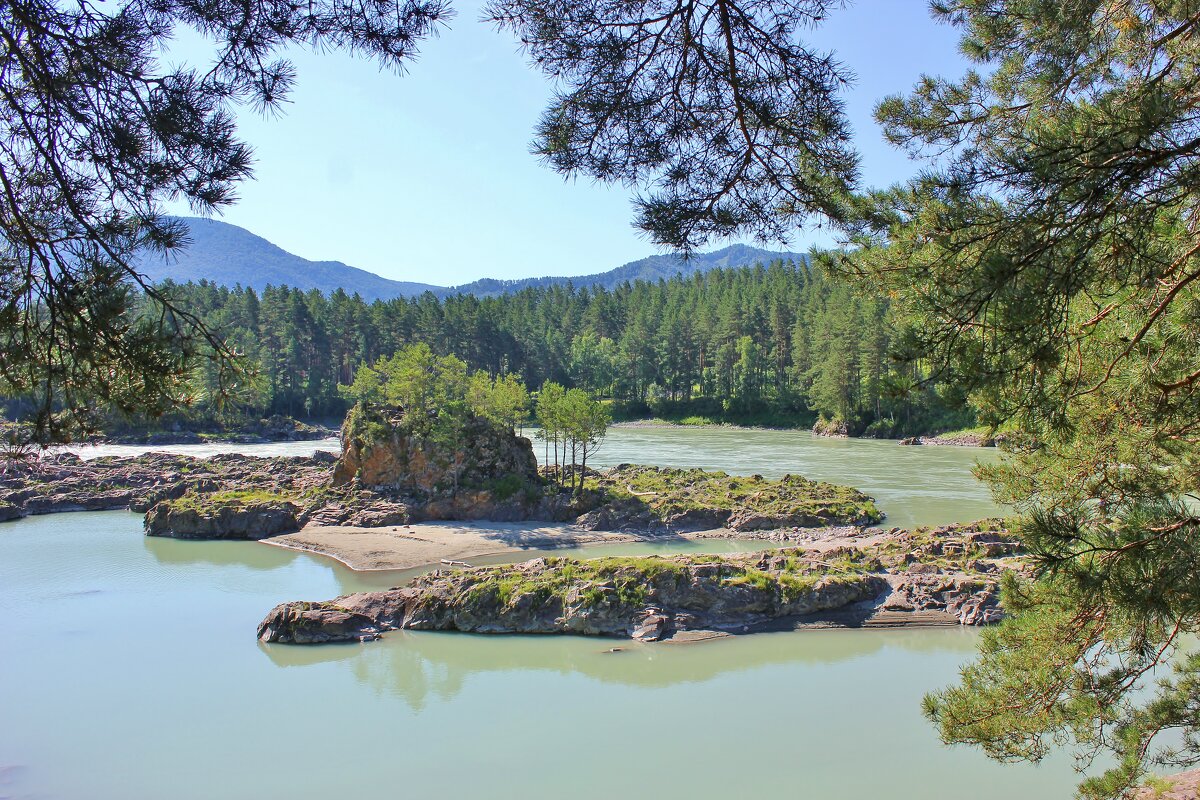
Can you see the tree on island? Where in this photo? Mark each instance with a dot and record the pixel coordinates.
(439, 398)
(575, 420)
(430, 387)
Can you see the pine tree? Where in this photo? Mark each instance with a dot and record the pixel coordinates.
(1048, 257)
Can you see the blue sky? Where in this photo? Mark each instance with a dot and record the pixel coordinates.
(427, 176)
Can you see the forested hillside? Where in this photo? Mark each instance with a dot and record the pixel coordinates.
(773, 345)
(230, 256)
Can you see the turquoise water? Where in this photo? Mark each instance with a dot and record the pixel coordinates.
(130, 670)
(914, 485)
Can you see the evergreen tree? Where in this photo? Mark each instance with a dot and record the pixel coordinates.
(1048, 259)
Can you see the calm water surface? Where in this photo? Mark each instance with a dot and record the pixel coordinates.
(130, 670)
(914, 485)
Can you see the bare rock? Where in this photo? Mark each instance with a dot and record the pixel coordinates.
(381, 449)
(9, 511)
(221, 520)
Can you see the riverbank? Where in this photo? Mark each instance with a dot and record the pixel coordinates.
(970, 437)
(849, 577)
(260, 431)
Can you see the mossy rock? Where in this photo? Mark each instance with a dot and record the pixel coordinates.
(240, 514)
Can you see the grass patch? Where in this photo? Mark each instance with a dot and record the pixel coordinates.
(231, 497)
(631, 583)
(668, 492)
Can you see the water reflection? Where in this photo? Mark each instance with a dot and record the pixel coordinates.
(164, 656)
(248, 555)
(413, 665)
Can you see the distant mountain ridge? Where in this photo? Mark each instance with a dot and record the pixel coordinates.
(229, 256)
(651, 268)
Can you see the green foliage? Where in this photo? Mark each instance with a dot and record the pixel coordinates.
(577, 422)
(507, 486)
(416, 380)
(670, 350)
(666, 492)
(1048, 259)
(98, 134)
(436, 393)
(503, 399)
(728, 120)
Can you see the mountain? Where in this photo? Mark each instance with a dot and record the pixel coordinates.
(228, 255)
(651, 268)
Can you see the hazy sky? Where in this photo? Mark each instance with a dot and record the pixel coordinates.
(427, 176)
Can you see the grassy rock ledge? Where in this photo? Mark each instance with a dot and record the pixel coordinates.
(645, 498)
(244, 514)
(644, 598)
(931, 576)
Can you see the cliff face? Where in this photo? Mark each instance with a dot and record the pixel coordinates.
(384, 452)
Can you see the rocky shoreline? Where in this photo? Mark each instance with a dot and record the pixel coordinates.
(866, 577)
(371, 508)
(958, 440)
(930, 577)
(273, 429)
(64, 482)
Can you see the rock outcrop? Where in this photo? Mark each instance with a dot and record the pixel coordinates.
(644, 598)
(65, 482)
(835, 428)
(382, 450)
(928, 576)
(632, 497)
(223, 517)
(1180, 786)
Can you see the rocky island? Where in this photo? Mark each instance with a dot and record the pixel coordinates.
(399, 497)
(943, 576)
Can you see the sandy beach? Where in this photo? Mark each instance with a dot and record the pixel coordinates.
(421, 544)
(425, 543)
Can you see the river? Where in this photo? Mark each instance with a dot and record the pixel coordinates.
(914, 485)
(130, 670)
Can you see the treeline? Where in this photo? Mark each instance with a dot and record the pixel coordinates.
(777, 344)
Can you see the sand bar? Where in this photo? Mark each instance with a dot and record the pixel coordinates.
(425, 543)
